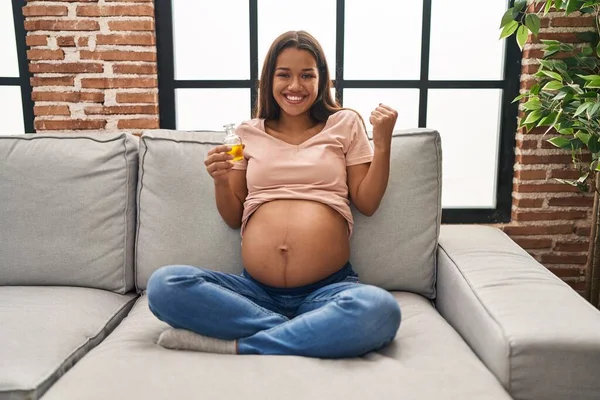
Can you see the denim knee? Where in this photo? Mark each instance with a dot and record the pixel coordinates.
(380, 312)
(158, 288)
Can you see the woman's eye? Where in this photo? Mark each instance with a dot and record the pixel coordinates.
(282, 75)
(308, 76)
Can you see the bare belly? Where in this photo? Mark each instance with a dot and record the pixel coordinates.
(291, 243)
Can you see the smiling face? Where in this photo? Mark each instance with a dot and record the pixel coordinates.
(295, 81)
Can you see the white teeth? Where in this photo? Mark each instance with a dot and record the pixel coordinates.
(294, 98)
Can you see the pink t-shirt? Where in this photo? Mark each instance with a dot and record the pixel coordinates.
(313, 170)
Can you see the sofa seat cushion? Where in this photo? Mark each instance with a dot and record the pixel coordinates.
(428, 360)
(45, 330)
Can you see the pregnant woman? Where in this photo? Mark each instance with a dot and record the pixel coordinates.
(305, 159)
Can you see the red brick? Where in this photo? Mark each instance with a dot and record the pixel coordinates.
(579, 286)
(133, 40)
(545, 159)
(563, 259)
(548, 216)
(138, 124)
(111, 83)
(528, 175)
(131, 25)
(71, 97)
(37, 54)
(527, 144)
(530, 69)
(571, 201)
(65, 41)
(564, 174)
(82, 41)
(567, 272)
(68, 124)
(54, 81)
(544, 188)
(115, 55)
(116, 11)
(584, 231)
(36, 40)
(531, 230)
(137, 98)
(143, 69)
(528, 203)
(45, 11)
(568, 22)
(51, 110)
(572, 246)
(120, 110)
(62, 25)
(533, 243)
(74, 68)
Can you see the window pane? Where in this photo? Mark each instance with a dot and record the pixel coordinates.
(405, 101)
(210, 109)
(9, 67)
(317, 17)
(470, 140)
(211, 39)
(383, 39)
(11, 111)
(466, 51)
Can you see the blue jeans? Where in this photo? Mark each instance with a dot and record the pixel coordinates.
(335, 317)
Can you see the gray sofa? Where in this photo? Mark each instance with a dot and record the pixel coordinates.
(85, 220)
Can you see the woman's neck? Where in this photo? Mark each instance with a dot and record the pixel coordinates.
(300, 123)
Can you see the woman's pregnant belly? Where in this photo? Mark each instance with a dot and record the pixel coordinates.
(291, 243)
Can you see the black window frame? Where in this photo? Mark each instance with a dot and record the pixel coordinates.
(23, 80)
(509, 86)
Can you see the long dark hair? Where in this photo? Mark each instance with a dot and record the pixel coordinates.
(266, 106)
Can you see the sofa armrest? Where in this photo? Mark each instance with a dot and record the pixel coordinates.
(537, 335)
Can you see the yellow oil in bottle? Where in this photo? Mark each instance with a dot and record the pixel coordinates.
(237, 151)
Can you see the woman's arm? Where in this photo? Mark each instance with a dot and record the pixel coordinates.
(230, 195)
(367, 182)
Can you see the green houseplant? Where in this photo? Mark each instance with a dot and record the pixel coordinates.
(566, 101)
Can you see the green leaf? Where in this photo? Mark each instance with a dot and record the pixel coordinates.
(595, 84)
(598, 167)
(535, 89)
(598, 50)
(554, 75)
(572, 5)
(589, 77)
(581, 109)
(519, 97)
(584, 137)
(548, 120)
(508, 16)
(558, 4)
(509, 29)
(553, 85)
(547, 7)
(534, 116)
(533, 104)
(532, 21)
(587, 51)
(520, 5)
(548, 42)
(591, 111)
(560, 141)
(522, 34)
(593, 144)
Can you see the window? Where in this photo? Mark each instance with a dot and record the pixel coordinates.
(456, 78)
(16, 107)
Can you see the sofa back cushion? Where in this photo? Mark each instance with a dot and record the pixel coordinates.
(178, 222)
(67, 210)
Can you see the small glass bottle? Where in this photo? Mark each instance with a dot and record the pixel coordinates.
(234, 141)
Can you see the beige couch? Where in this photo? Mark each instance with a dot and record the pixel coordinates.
(85, 220)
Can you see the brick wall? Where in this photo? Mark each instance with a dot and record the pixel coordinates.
(552, 221)
(93, 64)
(94, 67)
